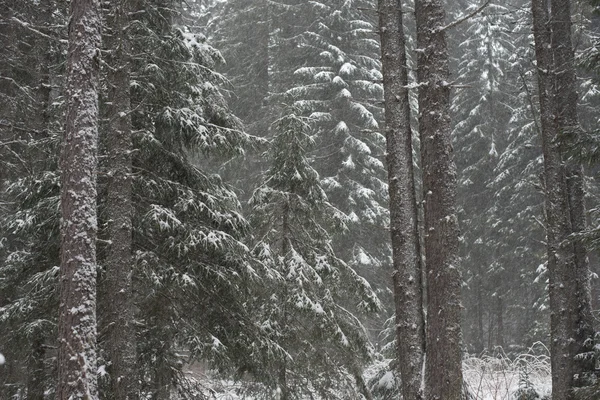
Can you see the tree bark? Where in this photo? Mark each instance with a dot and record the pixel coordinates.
(570, 321)
(443, 367)
(118, 210)
(77, 314)
(36, 369)
(407, 282)
(565, 89)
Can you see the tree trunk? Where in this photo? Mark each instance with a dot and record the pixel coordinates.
(407, 282)
(565, 90)
(77, 314)
(284, 391)
(35, 368)
(479, 343)
(500, 321)
(118, 209)
(570, 322)
(443, 368)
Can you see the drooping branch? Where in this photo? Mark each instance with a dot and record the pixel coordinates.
(466, 17)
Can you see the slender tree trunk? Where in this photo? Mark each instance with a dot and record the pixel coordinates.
(570, 322)
(42, 58)
(443, 368)
(407, 282)
(480, 343)
(36, 369)
(285, 249)
(118, 209)
(163, 373)
(500, 321)
(77, 314)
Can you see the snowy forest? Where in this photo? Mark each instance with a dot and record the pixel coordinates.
(299, 199)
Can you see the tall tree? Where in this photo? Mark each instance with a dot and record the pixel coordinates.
(443, 369)
(77, 319)
(500, 204)
(118, 319)
(407, 282)
(567, 121)
(567, 268)
(325, 344)
(338, 85)
(321, 56)
(29, 124)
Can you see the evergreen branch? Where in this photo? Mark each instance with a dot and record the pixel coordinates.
(466, 17)
(32, 29)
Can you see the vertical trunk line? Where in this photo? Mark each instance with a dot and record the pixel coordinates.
(77, 314)
(404, 225)
(443, 368)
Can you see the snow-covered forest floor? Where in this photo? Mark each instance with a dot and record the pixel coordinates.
(499, 377)
(488, 377)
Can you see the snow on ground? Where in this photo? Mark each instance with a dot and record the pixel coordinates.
(499, 377)
(488, 377)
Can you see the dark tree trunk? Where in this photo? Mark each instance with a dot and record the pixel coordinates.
(407, 282)
(443, 368)
(285, 249)
(570, 322)
(480, 342)
(77, 314)
(567, 123)
(118, 319)
(500, 321)
(36, 369)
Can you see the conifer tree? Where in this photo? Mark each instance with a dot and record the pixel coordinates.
(567, 262)
(339, 86)
(29, 124)
(500, 204)
(323, 341)
(323, 57)
(187, 225)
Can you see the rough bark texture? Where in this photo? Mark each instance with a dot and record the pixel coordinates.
(443, 368)
(565, 84)
(119, 318)
(403, 212)
(567, 263)
(77, 317)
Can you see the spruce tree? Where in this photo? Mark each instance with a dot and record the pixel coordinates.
(30, 122)
(339, 86)
(186, 226)
(500, 205)
(322, 340)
